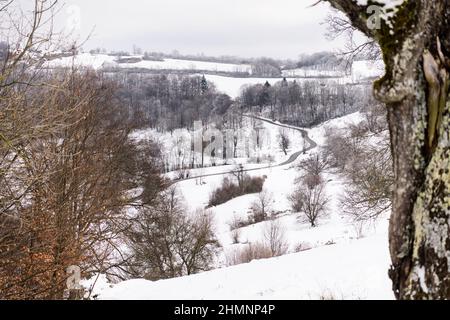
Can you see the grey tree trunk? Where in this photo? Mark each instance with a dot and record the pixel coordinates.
(415, 41)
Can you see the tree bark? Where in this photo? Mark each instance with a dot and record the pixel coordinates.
(415, 42)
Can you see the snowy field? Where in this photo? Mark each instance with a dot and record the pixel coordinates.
(367, 70)
(233, 86)
(311, 73)
(99, 61)
(357, 270)
(361, 70)
(337, 264)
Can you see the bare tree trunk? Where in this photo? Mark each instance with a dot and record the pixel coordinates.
(416, 48)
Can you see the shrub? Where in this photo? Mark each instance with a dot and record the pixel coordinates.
(310, 198)
(230, 190)
(303, 246)
(253, 251)
(274, 245)
(167, 242)
(314, 165)
(236, 235)
(337, 149)
(262, 206)
(238, 223)
(275, 238)
(252, 185)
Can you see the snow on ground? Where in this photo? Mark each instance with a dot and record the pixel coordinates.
(357, 270)
(233, 86)
(312, 73)
(98, 61)
(177, 64)
(338, 265)
(361, 70)
(367, 70)
(318, 133)
(176, 147)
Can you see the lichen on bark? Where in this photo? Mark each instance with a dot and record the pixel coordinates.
(432, 225)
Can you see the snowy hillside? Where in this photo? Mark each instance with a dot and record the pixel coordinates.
(99, 61)
(361, 70)
(311, 73)
(357, 270)
(233, 85)
(328, 261)
(367, 70)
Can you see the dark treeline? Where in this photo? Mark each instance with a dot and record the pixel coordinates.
(305, 103)
(168, 102)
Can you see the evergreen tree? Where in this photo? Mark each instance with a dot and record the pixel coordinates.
(264, 97)
(204, 85)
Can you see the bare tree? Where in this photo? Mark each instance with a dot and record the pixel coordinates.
(239, 174)
(340, 26)
(262, 205)
(167, 242)
(314, 165)
(274, 234)
(284, 141)
(368, 190)
(310, 198)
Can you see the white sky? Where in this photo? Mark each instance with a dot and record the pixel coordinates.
(248, 28)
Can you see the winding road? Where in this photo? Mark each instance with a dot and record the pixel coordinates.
(292, 158)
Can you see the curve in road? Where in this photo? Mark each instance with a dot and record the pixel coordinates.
(292, 158)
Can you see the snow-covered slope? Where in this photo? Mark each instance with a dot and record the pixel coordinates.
(338, 264)
(98, 61)
(357, 270)
(361, 70)
(311, 73)
(233, 86)
(367, 70)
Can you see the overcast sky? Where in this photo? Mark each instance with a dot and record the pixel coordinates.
(248, 28)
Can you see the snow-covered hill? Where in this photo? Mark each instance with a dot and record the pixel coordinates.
(312, 73)
(355, 270)
(99, 61)
(367, 70)
(336, 264)
(233, 85)
(362, 71)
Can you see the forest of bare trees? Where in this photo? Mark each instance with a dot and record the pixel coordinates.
(306, 103)
(168, 102)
